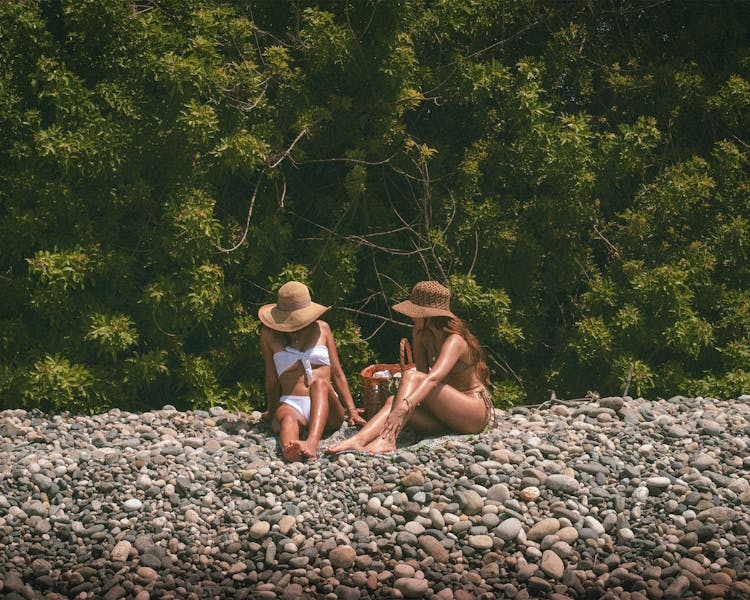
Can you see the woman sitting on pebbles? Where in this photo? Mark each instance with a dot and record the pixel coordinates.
(300, 356)
(448, 390)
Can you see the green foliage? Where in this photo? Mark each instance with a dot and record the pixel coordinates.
(505, 394)
(112, 333)
(63, 270)
(55, 382)
(577, 173)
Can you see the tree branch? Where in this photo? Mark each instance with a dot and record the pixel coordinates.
(351, 160)
(373, 315)
(359, 238)
(288, 150)
(247, 223)
(476, 253)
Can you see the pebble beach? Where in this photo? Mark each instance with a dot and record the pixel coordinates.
(614, 497)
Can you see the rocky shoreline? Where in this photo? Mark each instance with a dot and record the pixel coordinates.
(602, 498)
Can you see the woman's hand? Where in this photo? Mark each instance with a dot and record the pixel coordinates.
(354, 418)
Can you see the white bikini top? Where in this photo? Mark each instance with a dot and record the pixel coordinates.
(285, 359)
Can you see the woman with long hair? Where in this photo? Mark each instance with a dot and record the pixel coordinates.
(447, 392)
(302, 369)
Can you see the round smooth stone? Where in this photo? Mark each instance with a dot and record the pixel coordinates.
(529, 494)
(259, 529)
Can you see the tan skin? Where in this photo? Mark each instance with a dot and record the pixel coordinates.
(326, 410)
(435, 393)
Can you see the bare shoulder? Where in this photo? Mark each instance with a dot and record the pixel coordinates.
(271, 338)
(325, 335)
(455, 339)
(325, 329)
(455, 343)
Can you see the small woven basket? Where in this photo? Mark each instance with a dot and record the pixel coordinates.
(375, 390)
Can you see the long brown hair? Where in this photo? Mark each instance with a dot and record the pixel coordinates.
(450, 325)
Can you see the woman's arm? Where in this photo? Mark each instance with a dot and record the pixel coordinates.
(272, 387)
(339, 379)
(452, 349)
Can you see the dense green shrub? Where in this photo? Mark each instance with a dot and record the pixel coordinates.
(577, 172)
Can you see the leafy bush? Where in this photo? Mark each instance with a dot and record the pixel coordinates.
(576, 172)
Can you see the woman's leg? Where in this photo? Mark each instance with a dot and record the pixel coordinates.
(336, 412)
(421, 420)
(397, 415)
(459, 412)
(369, 431)
(319, 413)
(287, 423)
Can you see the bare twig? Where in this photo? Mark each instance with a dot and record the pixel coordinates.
(153, 316)
(288, 150)
(583, 269)
(609, 244)
(555, 400)
(398, 284)
(411, 177)
(419, 96)
(248, 106)
(173, 17)
(394, 210)
(283, 191)
(476, 253)
(627, 383)
(503, 365)
(503, 41)
(374, 316)
(360, 239)
(372, 16)
(247, 223)
(351, 160)
(257, 30)
(255, 33)
(427, 213)
(380, 284)
(420, 254)
(260, 287)
(454, 209)
(363, 58)
(374, 333)
(627, 9)
(141, 7)
(385, 232)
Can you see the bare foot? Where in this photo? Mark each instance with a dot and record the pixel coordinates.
(309, 449)
(292, 451)
(380, 444)
(345, 445)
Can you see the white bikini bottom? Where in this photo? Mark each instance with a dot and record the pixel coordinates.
(301, 403)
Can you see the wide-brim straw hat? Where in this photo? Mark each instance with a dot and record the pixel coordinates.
(428, 299)
(293, 310)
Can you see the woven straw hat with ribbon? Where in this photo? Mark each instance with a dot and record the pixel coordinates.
(428, 299)
(294, 309)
